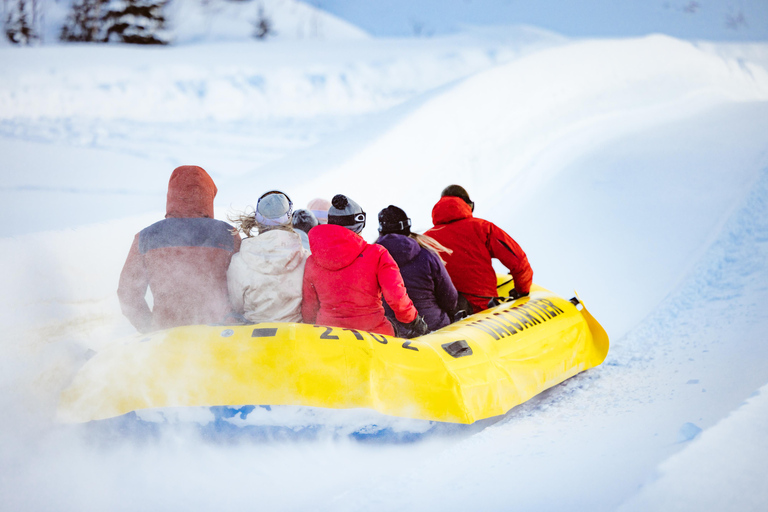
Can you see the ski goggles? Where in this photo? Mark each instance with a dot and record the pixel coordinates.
(265, 194)
(283, 218)
(347, 220)
(400, 225)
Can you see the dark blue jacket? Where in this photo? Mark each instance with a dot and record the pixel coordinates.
(426, 280)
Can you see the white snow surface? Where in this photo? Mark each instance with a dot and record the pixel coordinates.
(634, 170)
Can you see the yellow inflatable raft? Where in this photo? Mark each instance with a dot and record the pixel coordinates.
(477, 368)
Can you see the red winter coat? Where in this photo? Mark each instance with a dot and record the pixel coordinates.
(474, 243)
(182, 259)
(344, 279)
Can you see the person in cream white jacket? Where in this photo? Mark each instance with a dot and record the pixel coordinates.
(265, 277)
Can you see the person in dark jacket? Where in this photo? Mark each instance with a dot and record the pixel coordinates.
(427, 282)
(474, 243)
(183, 259)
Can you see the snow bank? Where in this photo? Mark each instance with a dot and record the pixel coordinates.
(111, 122)
(522, 120)
(722, 470)
(238, 80)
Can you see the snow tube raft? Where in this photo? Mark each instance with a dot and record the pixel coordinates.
(476, 368)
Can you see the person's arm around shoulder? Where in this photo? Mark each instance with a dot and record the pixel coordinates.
(132, 289)
(393, 288)
(504, 248)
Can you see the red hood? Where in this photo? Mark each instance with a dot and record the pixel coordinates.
(190, 193)
(335, 247)
(449, 209)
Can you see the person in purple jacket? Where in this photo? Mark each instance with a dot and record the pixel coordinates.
(426, 280)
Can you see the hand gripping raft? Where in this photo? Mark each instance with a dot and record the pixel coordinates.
(477, 368)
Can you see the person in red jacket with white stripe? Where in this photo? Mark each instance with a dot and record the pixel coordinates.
(345, 277)
(474, 243)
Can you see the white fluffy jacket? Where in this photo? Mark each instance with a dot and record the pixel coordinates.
(265, 277)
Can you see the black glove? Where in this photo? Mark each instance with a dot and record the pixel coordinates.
(514, 294)
(462, 310)
(418, 327)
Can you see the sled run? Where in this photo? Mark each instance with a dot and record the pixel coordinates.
(477, 368)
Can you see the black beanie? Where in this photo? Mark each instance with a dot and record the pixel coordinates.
(394, 220)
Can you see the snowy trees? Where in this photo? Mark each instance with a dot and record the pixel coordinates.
(83, 22)
(136, 22)
(126, 21)
(20, 21)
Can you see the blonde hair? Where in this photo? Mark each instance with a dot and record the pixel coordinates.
(245, 222)
(429, 243)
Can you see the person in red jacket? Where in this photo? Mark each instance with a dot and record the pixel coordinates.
(345, 277)
(183, 259)
(474, 243)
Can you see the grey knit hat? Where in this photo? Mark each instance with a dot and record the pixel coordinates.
(345, 212)
(304, 220)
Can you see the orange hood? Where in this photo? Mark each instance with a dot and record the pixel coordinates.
(449, 209)
(190, 193)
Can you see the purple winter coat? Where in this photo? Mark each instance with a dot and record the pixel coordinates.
(426, 280)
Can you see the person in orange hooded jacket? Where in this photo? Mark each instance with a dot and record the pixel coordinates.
(183, 259)
(474, 243)
(345, 277)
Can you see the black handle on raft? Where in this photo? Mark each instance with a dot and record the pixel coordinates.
(576, 302)
(458, 348)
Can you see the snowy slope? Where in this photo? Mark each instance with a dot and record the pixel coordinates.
(540, 134)
(635, 170)
(725, 457)
(229, 106)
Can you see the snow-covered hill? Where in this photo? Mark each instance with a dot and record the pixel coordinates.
(227, 20)
(722, 20)
(195, 21)
(634, 170)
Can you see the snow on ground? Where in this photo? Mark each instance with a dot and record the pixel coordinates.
(725, 457)
(633, 170)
